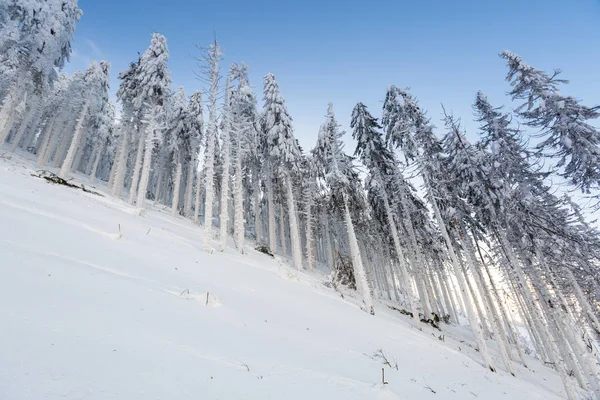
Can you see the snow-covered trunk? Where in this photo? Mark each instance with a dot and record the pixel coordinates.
(507, 323)
(33, 134)
(210, 193)
(461, 280)
(499, 334)
(328, 243)
(197, 199)
(477, 302)
(540, 328)
(68, 161)
(282, 235)
(565, 328)
(238, 218)
(398, 248)
(97, 157)
(63, 146)
(75, 165)
(310, 235)
(158, 185)
(449, 304)
(271, 212)
(256, 205)
(582, 301)
(359, 270)
(7, 111)
(176, 187)
(189, 189)
(25, 123)
(225, 178)
(294, 231)
(149, 138)
(121, 164)
(135, 176)
(43, 148)
(431, 293)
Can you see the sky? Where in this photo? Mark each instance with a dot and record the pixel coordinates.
(349, 51)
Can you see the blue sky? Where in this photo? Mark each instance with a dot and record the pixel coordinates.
(349, 51)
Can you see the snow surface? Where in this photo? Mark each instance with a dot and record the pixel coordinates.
(100, 301)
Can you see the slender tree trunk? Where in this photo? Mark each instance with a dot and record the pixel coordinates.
(121, 164)
(257, 220)
(189, 189)
(149, 138)
(68, 161)
(209, 188)
(294, 232)
(7, 112)
(135, 177)
(197, 199)
(461, 280)
(176, 188)
(97, 157)
(239, 233)
(398, 248)
(271, 212)
(359, 270)
(42, 152)
(225, 178)
(29, 116)
(497, 328)
(310, 235)
(282, 235)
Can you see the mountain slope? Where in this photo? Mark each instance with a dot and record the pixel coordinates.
(97, 302)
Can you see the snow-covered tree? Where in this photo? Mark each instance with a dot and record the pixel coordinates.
(196, 126)
(95, 99)
(284, 155)
(563, 121)
(212, 59)
(338, 171)
(35, 41)
(177, 142)
(154, 80)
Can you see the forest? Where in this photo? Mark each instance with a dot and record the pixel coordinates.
(450, 230)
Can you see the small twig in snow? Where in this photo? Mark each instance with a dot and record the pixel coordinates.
(428, 387)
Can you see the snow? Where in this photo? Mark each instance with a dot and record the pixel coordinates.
(99, 302)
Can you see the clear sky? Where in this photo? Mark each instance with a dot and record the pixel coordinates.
(349, 51)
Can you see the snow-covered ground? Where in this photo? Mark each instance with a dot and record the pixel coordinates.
(97, 302)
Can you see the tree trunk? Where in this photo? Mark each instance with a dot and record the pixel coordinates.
(225, 178)
(145, 173)
(239, 233)
(135, 177)
(461, 280)
(68, 161)
(294, 232)
(97, 157)
(176, 188)
(359, 270)
(29, 116)
(121, 165)
(189, 189)
(271, 212)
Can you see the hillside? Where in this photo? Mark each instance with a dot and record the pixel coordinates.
(99, 302)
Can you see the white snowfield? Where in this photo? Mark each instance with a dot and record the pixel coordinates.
(98, 302)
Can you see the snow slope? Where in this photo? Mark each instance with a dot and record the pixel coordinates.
(97, 302)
